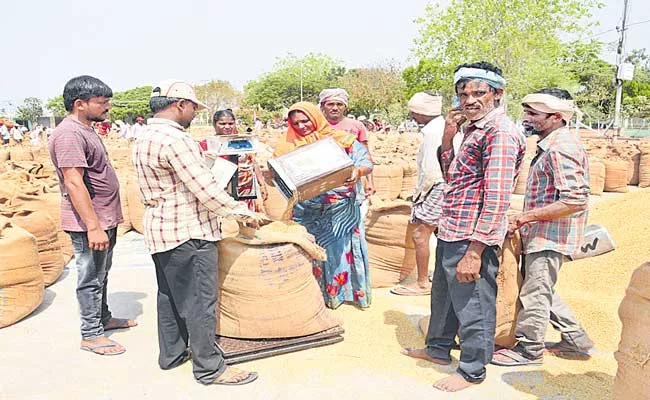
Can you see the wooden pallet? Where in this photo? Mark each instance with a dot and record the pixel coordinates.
(242, 350)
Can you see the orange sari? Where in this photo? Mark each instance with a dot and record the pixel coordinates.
(322, 129)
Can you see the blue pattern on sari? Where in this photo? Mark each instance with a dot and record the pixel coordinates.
(334, 218)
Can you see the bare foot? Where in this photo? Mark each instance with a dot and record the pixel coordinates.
(119, 323)
(423, 355)
(102, 346)
(452, 383)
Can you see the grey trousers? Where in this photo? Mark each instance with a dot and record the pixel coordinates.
(541, 304)
(92, 280)
(468, 309)
(187, 300)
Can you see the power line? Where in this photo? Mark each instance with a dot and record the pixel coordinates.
(617, 28)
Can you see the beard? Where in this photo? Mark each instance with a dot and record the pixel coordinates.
(98, 118)
(529, 130)
(185, 124)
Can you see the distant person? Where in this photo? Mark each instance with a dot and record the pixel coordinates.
(183, 204)
(250, 179)
(17, 134)
(552, 226)
(258, 126)
(334, 105)
(4, 132)
(426, 110)
(35, 135)
(90, 206)
(480, 179)
(137, 128)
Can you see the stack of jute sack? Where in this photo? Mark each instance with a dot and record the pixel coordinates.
(618, 163)
(633, 355)
(267, 286)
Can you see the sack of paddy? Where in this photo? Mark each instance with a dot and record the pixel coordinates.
(616, 175)
(134, 203)
(409, 180)
(644, 165)
(391, 251)
(388, 181)
(21, 278)
(633, 375)
(267, 287)
(507, 302)
(20, 153)
(596, 176)
(40, 196)
(42, 226)
(125, 226)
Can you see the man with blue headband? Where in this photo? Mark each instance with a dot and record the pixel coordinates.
(480, 179)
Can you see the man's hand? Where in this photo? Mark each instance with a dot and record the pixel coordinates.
(455, 118)
(250, 218)
(517, 221)
(469, 267)
(97, 239)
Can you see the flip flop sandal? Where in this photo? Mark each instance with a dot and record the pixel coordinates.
(249, 378)
(518, 359)
(94, 347)
(122, 323)
(563, 348)
(402, 290)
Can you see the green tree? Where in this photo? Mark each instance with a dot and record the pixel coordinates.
(281, 87)
(522, 37)
(373, 90)
(55, 105)
(129, 104)
(216, 95)
(31, 110)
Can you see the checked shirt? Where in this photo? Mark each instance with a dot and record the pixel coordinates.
(480, 180)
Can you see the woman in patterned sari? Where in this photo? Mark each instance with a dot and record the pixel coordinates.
(334, 217)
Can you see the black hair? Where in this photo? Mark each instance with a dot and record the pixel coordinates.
(84, 88)
(478, 65)
(557, 92)
(223, 113)
(159, 103)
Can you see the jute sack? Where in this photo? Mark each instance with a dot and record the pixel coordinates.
(4, 155)
(644, 166)
(409, 180)
(134, 204)
(596, 176)
(40, 196)
(20, 153)
(616, 177)
(391, 251)
(125, 226)
(388, 181)
(507, 303)
(21, 278)
(42, 226)
(267, 288)
(633, 375)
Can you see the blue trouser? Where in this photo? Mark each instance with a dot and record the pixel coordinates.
(92, 280)
(187, 301)
(468, 309)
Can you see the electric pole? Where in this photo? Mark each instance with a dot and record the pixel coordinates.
(619, 60)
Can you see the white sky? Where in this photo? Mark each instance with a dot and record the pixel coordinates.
(134, 43)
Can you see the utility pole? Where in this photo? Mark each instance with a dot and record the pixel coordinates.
(619, 60)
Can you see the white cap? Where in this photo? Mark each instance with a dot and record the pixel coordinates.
(177, 89)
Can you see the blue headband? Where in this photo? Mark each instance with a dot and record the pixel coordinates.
(489, 77)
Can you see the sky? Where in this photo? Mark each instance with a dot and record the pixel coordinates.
(140, 42)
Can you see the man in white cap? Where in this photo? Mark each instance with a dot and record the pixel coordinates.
(183, 203)
(426, 109)
(552, 226)
(334, 105)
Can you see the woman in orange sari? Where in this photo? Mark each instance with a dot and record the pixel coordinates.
(334, 217)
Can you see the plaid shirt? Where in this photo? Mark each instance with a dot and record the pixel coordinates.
(480, 180)
(559, 172)
(182, 199)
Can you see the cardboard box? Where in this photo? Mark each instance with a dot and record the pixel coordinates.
(312, 169)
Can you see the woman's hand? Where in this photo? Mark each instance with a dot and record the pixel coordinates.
(353, 178)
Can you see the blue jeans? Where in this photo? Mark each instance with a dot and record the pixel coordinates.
(468, 309)
(92, 280)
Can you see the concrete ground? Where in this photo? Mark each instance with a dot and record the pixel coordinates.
(40, 356)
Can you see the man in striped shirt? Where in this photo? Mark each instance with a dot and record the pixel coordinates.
(480, 180)
(90, 206)
(183, 203)
(552, 226)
